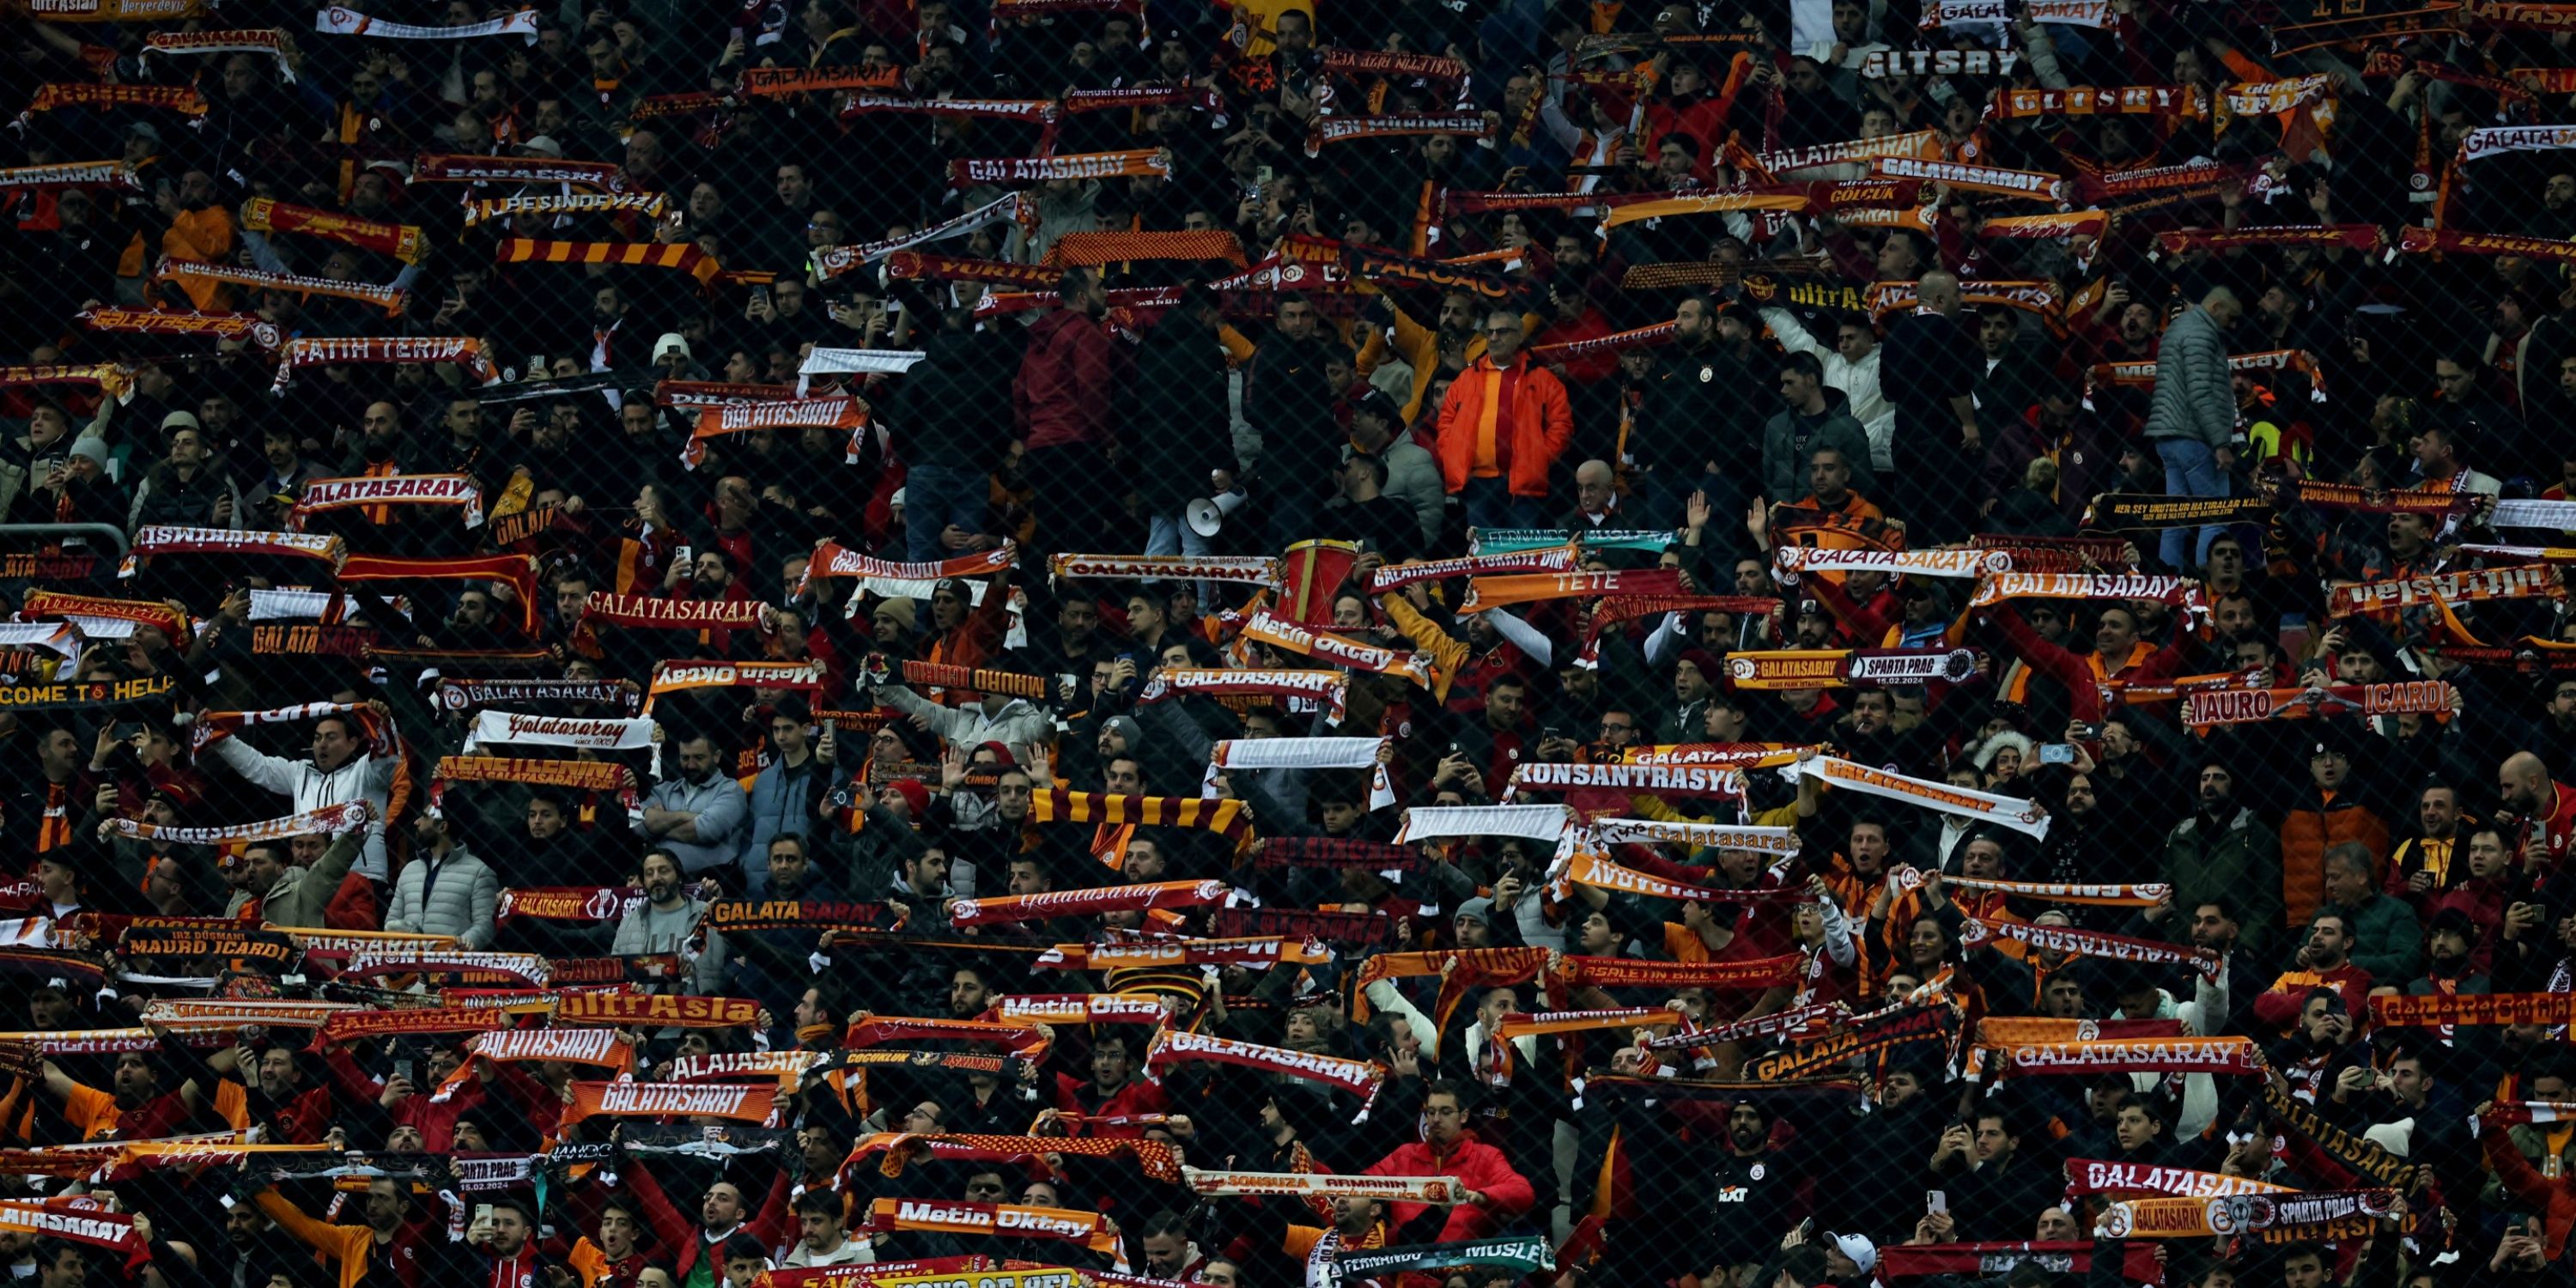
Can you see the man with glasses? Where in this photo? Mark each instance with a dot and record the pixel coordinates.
(1496, 1194)
(1618, 730)
(1502, 428)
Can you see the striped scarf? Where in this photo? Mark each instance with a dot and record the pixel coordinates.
(684, 256)
(2099, 894)
(1056, 805)
(1110, 248)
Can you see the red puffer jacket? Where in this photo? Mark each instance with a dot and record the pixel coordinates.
(1483, 1168)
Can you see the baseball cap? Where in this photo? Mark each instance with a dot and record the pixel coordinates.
(1376, 403)
(1863, 1253)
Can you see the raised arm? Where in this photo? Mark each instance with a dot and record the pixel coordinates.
(256, 768)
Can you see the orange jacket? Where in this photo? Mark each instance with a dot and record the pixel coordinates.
(1540, 423)
(2314, 827)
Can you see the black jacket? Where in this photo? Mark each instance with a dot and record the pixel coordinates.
(1288, 400)
(1182, 428)
(954, 408)
(169, 499)
(1703, 405)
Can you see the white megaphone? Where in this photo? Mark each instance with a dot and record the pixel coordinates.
(1207, 514)
(1204, 517)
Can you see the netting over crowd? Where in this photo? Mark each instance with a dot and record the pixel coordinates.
(1417, 643)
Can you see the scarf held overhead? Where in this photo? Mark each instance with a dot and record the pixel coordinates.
(2004, 811)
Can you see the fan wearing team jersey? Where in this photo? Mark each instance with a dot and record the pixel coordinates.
(390, 1246)
(503, 1252)
(613, 1258)
(139, 1108)
(1113, 1088)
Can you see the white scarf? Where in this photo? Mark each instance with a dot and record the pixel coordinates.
(832, 362)
(258, 43)
(832, 261)
(289, 605)
(338, 21)
(1536, 822)
(1723, 836)
(1964, 802)
(513, 728)
(1392, 1189)
(334, 818)
(1303, 753)
(2560, 515)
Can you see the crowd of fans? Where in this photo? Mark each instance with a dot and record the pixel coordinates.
(819, 642)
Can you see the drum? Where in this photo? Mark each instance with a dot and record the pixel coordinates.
(1310, 573)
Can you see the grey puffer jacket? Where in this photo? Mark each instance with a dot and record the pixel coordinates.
(461, 902)
(2193, 397)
